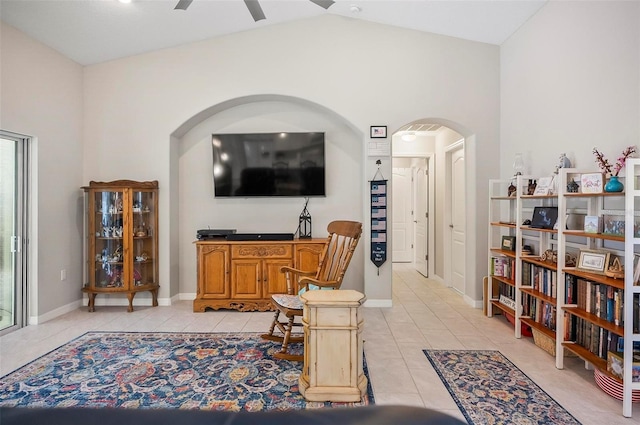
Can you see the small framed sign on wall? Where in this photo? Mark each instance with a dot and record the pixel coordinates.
(378, 132)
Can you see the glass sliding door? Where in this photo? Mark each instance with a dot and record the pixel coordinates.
(13, 186)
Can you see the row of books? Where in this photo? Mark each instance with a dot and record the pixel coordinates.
(507, 291)
(503, 266)
(597, 340)
(540, 311)
(540, 278)
(604, 301)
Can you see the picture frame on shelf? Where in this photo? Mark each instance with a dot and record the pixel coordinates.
(544, 186)
(378, 132)
(509, 243)
(592, 224)
(592, 182)
(593, 261)
(613, 225)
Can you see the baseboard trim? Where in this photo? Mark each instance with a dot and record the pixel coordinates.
(36, 320)
(378, 303)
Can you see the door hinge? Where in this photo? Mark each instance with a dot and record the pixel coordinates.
(426, 215)
(411, 246)
(426, 257)
(15, 243)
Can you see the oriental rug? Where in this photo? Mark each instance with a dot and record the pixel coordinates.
(489, 389)
(162, 370)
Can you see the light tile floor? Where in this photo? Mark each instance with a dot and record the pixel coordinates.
(425, 314)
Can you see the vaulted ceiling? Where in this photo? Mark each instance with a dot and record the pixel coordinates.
(94, 31)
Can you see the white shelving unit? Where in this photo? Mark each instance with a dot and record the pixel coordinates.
(632, 291)
(507, 214)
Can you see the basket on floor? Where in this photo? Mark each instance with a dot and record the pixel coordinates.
(547, 343)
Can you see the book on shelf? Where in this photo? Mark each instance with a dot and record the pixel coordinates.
(503, 266)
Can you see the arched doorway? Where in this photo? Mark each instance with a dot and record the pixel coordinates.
(431, 141)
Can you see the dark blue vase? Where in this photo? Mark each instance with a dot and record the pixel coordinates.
(613, 185)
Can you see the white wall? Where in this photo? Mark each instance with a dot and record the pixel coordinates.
(570, 81)
(129, 118)
(42, 97)
(133, 105)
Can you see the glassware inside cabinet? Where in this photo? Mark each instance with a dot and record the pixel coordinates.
(109, 240)
(144, 244)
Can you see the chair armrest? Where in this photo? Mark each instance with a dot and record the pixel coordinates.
(306, 281)
(287, 269)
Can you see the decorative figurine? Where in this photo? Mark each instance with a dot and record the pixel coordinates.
(532, 187)
(615, 270)
(572, 186)
(564, 161)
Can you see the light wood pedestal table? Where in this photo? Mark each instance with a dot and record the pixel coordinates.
(333, 346)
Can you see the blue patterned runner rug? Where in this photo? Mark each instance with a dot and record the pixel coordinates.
(162, 370)
(489, 389)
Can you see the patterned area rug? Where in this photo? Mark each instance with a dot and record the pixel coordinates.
(162, 370)
(489, 389)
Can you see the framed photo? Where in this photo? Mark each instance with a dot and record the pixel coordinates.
(544, 186)
(613, 225)
(592, 224)
(593, 261)
(378, 131)
(591, 183)
(509, 243)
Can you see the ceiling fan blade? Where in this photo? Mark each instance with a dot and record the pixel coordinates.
(323, 3)
(182, 4)
(255, 9)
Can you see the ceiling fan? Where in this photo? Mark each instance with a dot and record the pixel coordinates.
(254, 6)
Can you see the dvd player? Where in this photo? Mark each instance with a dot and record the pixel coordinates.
(260, 237)
(213, 233)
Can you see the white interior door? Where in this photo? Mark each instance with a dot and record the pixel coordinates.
(458, 230)
(402, 221)
(421, 217)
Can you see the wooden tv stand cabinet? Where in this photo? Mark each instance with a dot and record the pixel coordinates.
(242, 275)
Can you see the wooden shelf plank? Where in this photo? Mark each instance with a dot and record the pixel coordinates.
(588, 356)
(537, 294)
(597, 278)
(503, 307)
(511, 254)
(539, 196)
(602, 236)
(539, 326)
(503, 224)
(535, 229)
(605, 324)
(534, 259)
(592, 195)
(505, 280)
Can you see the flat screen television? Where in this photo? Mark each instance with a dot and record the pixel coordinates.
(269, 164)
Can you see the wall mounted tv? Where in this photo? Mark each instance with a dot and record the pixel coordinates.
(268, 164)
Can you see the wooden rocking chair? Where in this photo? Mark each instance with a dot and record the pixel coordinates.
(336, 255)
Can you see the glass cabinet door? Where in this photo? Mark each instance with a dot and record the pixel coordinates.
(109, 240)
(144, 240)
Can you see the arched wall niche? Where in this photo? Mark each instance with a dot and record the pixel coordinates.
(192, 202)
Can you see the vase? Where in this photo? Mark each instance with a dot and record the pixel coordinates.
(613, 185)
